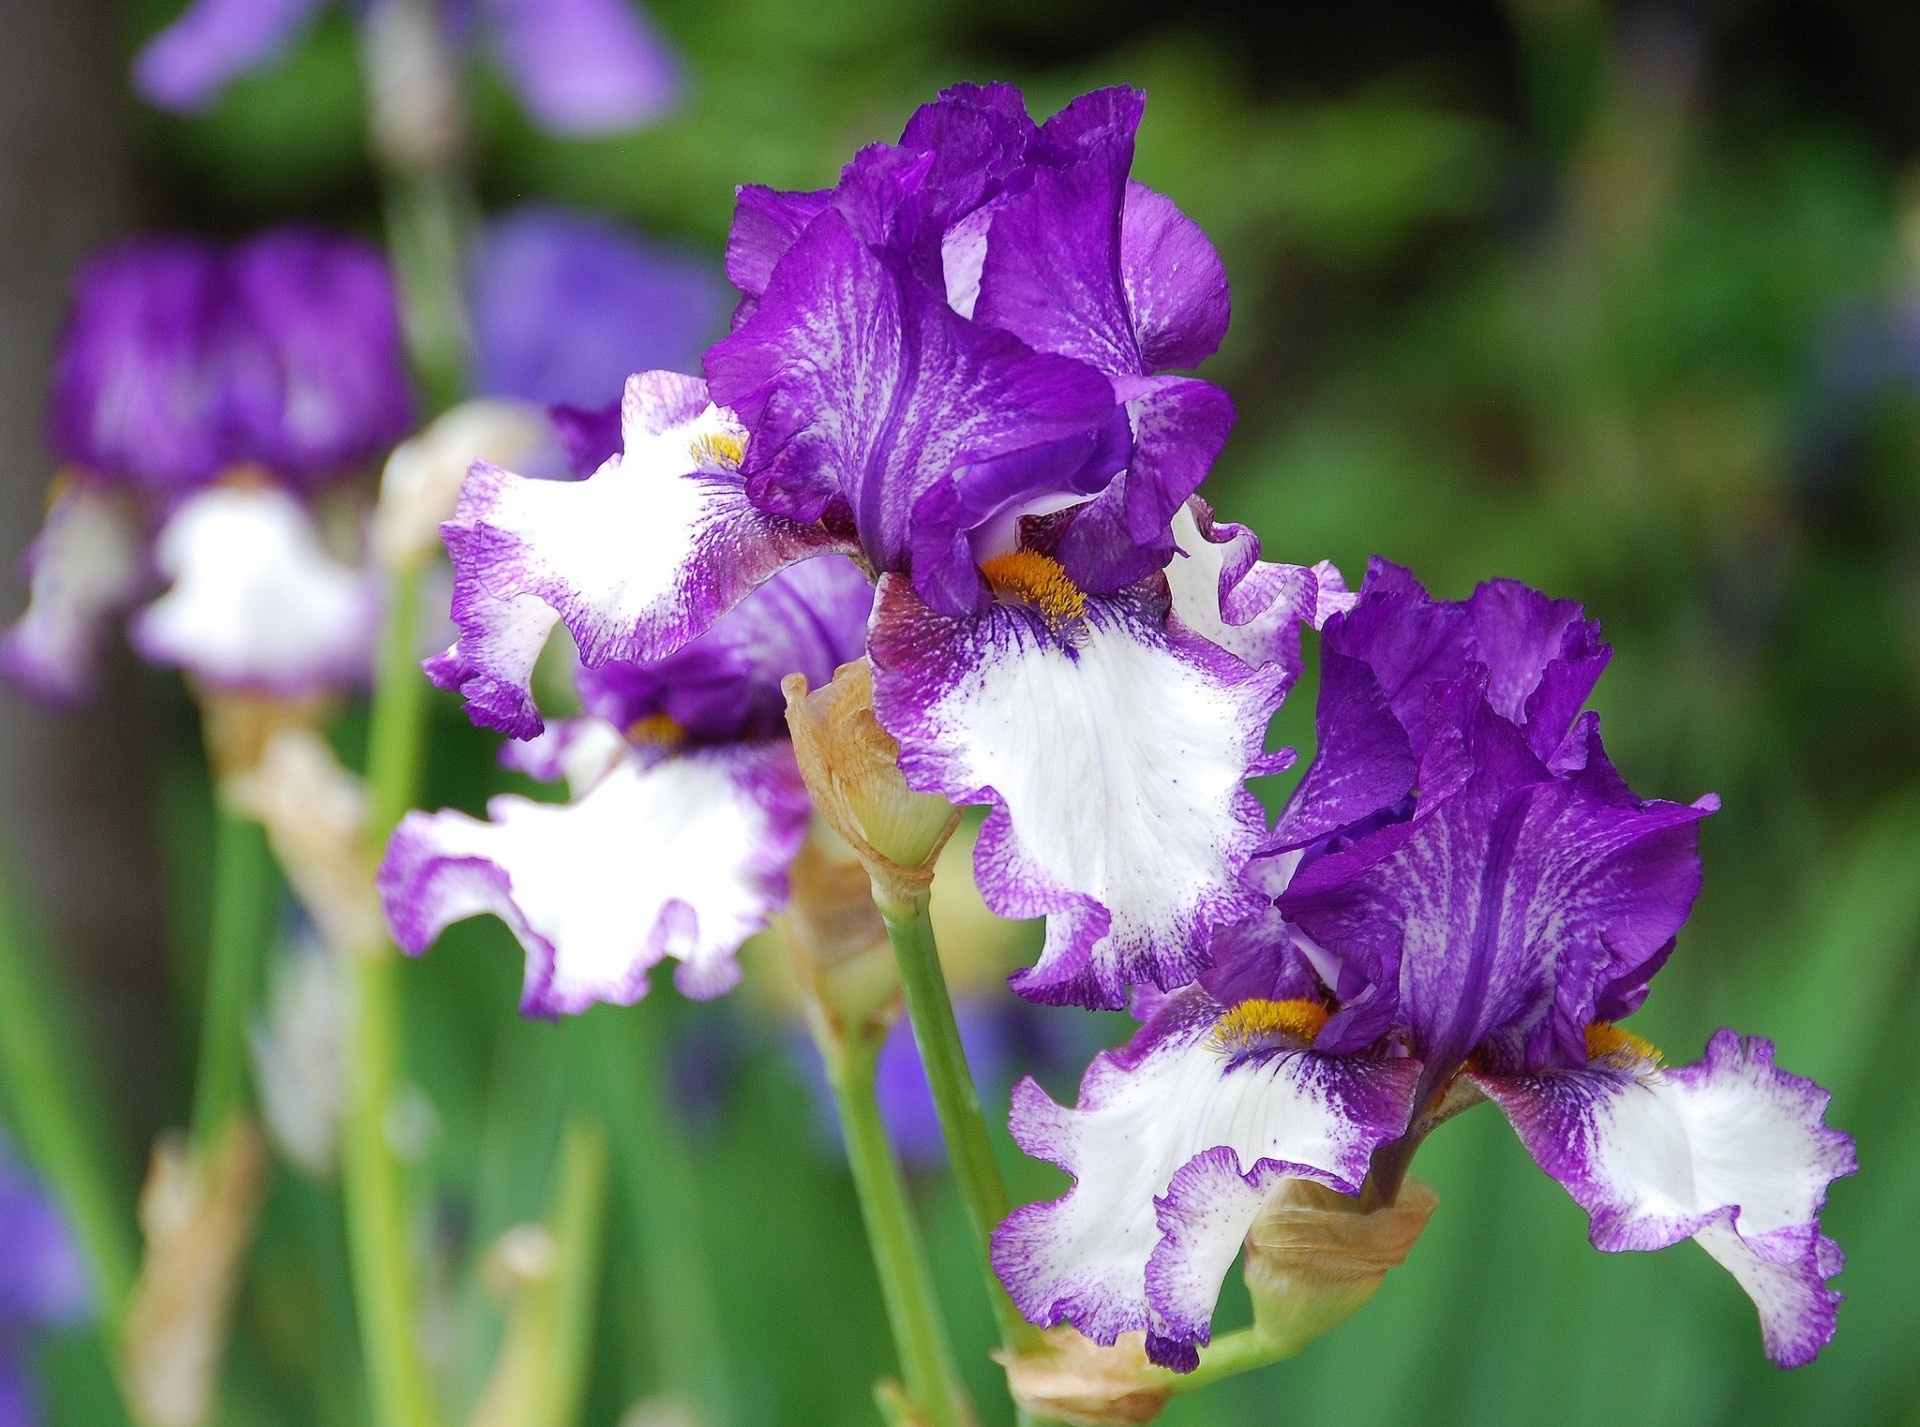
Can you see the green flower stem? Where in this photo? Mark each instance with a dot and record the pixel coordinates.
(1228, 1355)
(58, 1110)
(245, 907)
(956, 1100)
(900, 1259)
(428, 214)
(655, 1169)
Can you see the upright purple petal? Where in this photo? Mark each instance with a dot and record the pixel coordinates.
(567, 306)
(186, 65)
(584, 67)
(1176, 285)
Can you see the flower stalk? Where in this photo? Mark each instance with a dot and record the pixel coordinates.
(244, 906)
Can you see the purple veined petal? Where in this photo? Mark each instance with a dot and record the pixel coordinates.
(186, 65)
(590, 436)
(1501, 910)
(1125, 533)
(138, 394)
(1224, 591)
(1731, 1152)
(1176, 285)
(679, 856)
(566, 305)
(1173, 1146)
(1115, 753)
(585, 67)
(766, 222)
(323, 310)
(1364, 766)
(636, 560)
(87, 564)
(860, 385)
(256, 602)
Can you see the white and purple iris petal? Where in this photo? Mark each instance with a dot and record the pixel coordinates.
(1174, 1145)
(86, 566)
(636, 560)
(1730, 1152)
(256, 600)
(1114, 749)
(668, 855)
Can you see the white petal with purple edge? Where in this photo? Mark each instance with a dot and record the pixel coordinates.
(680, 856)
(1115, 752)
(1254, 609)
(1174, 1144)
(85, 566)
(1731, 1152)
(257, 601)
(636, 560)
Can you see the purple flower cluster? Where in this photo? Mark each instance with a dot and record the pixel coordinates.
(42, 1283)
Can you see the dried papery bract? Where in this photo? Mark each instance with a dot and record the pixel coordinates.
(421, 483)
(852, 769)
(1076, 1381)
(1313, 1259)
(197, 1213)
(239, 726)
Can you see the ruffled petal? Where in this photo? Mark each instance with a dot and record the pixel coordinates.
(257, 602)
(1731, 1152)
(84, 567)
(1173, 1145)
(186, 65)
(682, 856)
(584, 67)
(637, 560)
(1176, 284)
(1225, 592)
(1114, 750)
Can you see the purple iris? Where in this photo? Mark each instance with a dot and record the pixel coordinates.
(42, 1283)
(579, 66)
(1469, 896)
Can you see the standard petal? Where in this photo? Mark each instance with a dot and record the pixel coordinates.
(256, 601)
(1174, 1142)
(637, 560)
(1730, 1151)
(1114, 750)
(681, 856)
(584, 67)
(186, 65)
(1175, 282)
(85, 566)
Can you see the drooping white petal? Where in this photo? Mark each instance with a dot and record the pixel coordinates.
(1730, 1151)
(666, 855)
(1114, 750)
(1173, 1146)
(84, 567)
(257, 601)
(636, 560)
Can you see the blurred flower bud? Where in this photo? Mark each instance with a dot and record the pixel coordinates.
(1314, 1259)
(416, 116)
(238, 726)
(841, 957)
(197, 1212)
(298, 1059)
(852, 768)
(421, 483)
(1076, 1381)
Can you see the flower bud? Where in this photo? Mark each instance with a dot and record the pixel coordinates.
(1314, 1259)
(841, 957)
(1076, 1381)
(421, 483)
(852, 768)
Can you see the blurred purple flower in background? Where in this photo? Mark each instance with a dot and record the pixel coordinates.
(580, 67)
(42, 1283)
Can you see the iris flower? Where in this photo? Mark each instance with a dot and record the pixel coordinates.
(1469, 898)
(42, 1283)
(579, 67)
(952, 368)
(201, 399)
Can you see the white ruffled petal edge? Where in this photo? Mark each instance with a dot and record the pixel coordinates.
(680, 856)
(84, 567)
(257, 601)
(1731, 1152)
(636, 560)
(1174, 1145)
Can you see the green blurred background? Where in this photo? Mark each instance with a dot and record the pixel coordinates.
(1622, 302)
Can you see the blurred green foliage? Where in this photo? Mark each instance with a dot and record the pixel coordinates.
(1611, 348)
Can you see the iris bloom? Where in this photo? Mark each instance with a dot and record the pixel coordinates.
(42, 1283)
(686, 802)
(201, 399)
(1470, 898)
(578, 66)
(950, 367)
